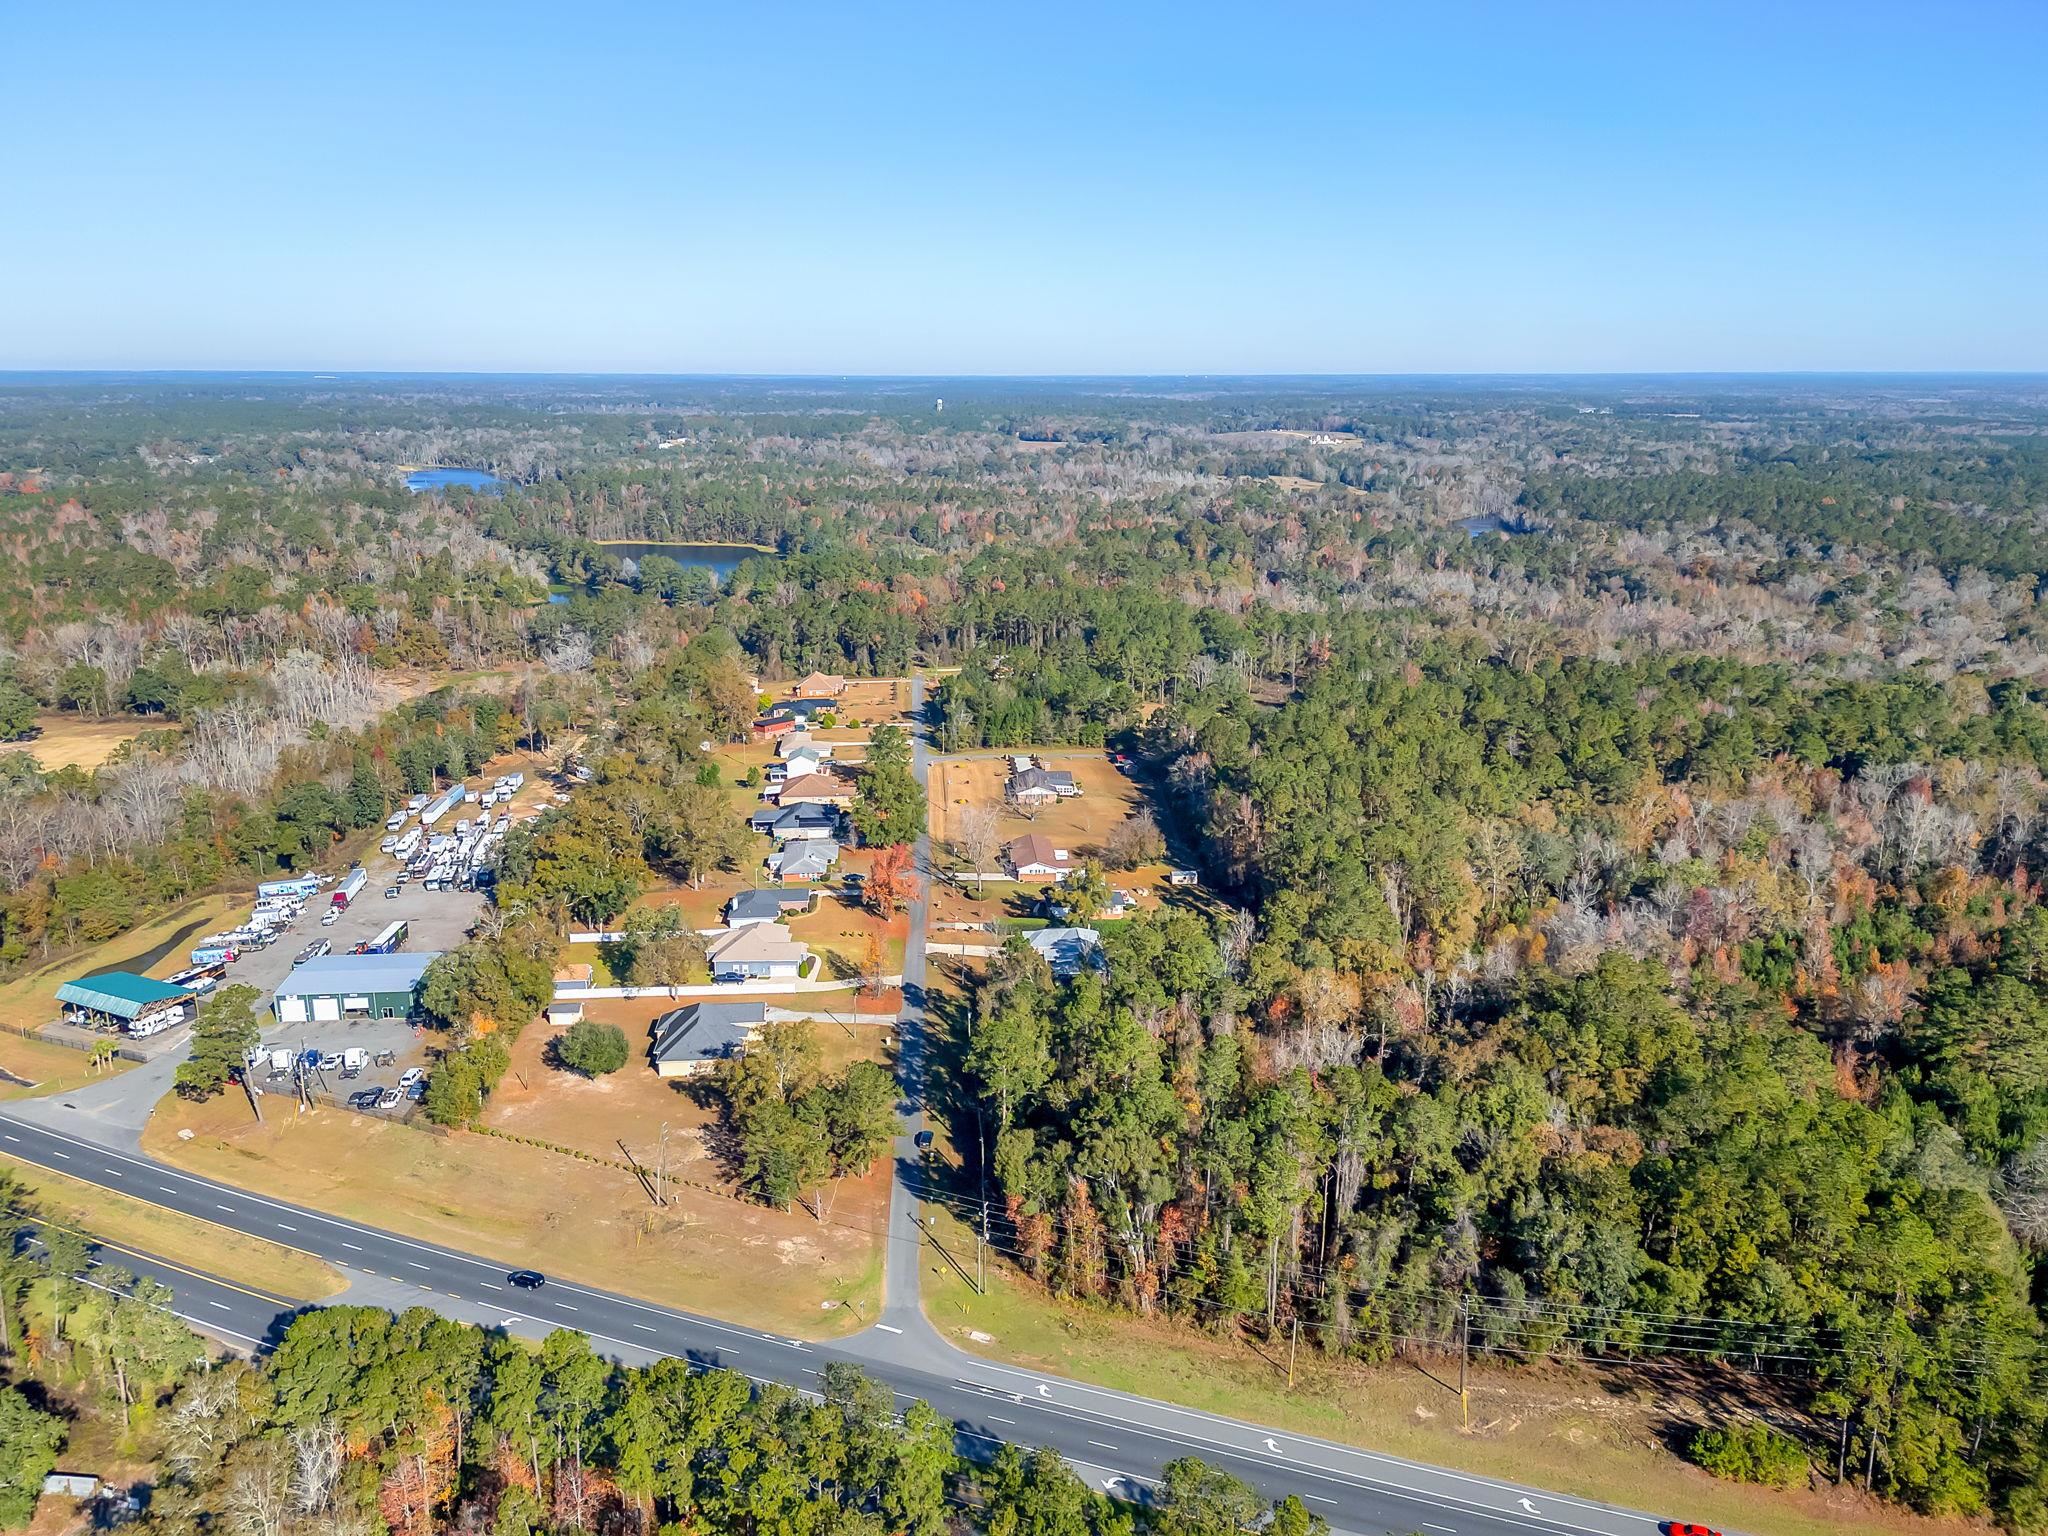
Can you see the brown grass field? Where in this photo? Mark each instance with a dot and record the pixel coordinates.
(71, 741)
(527, 1206)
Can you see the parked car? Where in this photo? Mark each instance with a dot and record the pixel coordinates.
(331, 918)
(390, 892)
(390, 1098)
(416, 1091)
(527, 1279)
(330, 1061)
(365, 1098)
(410, 1076)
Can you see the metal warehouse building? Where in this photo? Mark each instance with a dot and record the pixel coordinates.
(333, 986)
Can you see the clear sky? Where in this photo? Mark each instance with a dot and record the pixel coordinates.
(770, 186)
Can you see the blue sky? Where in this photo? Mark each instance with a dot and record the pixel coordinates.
(785, 187)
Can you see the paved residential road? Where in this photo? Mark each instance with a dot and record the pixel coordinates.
(1116, 1440)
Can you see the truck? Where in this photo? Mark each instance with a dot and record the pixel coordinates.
(350, 887)
(301, 886)
(280, 1063)
(353, 1060)
(440, 805)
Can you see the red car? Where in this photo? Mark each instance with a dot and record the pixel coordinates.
(1687, 1528)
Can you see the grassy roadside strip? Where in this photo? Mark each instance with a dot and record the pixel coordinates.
(192, 1241)
(1547, 1431)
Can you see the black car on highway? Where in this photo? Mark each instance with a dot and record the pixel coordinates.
(527, 1279)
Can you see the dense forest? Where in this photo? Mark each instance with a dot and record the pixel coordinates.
(1624, 806)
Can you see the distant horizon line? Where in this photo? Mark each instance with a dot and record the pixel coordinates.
(819, 377)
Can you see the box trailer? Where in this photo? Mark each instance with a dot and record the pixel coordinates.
(351, 887)
(441, 805)
(300, 886)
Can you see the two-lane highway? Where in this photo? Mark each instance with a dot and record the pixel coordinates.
(1113, 1438)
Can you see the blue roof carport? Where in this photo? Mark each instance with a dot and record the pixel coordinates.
(122, 995)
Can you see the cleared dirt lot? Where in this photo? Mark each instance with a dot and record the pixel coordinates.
(1080, 822)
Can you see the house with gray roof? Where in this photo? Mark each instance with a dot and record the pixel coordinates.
(692, 1040)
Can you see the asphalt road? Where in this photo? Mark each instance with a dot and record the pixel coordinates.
(1111, 1438)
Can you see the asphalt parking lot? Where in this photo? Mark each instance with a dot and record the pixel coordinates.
(437, 920)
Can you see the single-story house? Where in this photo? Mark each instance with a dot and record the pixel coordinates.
(1067, 950)
(769, 906)
(800, 862)
(774, 725)
(802, 741)
(796, 823)
(815, 789)
(1041, 786)
(692, 1040)
(818, 685)
(797, 712)
(1036, 857)
(140, 1005)
(571, 981)
(757, 952)
(1121, 904)
(332, 986)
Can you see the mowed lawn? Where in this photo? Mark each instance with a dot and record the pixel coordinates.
(45, 1068)
(530, 1206)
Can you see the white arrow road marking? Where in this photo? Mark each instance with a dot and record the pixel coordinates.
(1272, 1445)
(1044, 1390)
(1528, 1508)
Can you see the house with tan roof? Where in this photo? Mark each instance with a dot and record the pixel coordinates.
(1037, 857)
(757, 952)
(823, 788)
(818, 685)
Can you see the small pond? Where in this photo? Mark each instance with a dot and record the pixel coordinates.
(441, 477)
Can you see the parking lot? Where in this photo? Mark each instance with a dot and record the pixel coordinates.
(437, 920)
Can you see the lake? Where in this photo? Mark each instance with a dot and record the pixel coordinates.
(440, 478)
(721, 560)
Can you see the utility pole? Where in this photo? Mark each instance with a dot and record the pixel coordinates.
(1464, 1355)
(661, 1169)
(1293, 1344)
(981, 1250)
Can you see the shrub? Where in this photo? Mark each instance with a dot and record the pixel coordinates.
(592, 1048)
(1750, 1452)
